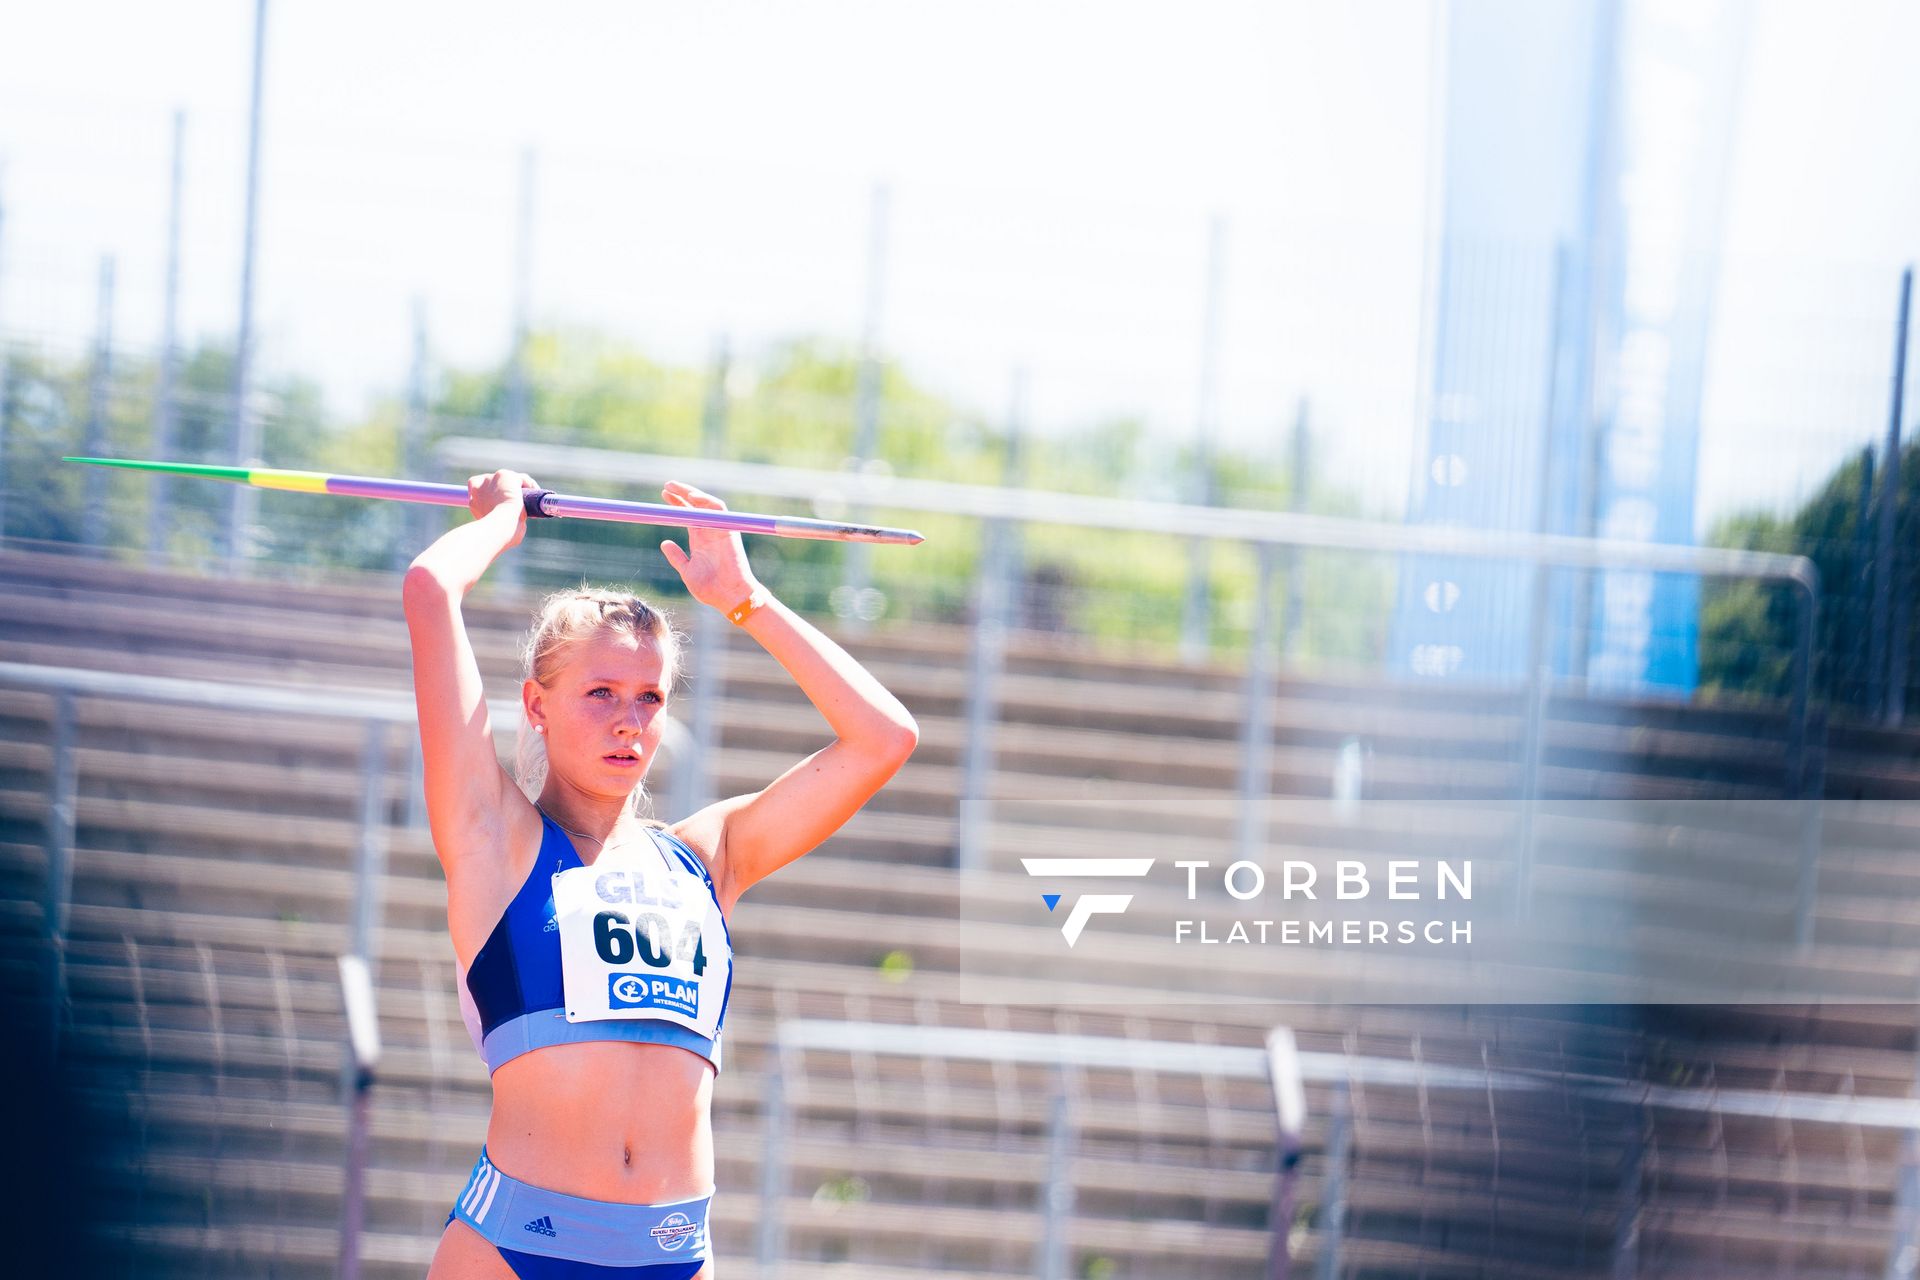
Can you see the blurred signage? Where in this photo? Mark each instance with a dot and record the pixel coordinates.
(1586, 147)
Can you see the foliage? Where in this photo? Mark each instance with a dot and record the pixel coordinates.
(795, 405)
(1747, 630)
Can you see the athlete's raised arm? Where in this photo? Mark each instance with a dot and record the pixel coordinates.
(747, 838)
(464, 783)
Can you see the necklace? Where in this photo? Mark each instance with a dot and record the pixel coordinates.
(604, 846)
(570, 831)
(596, 839)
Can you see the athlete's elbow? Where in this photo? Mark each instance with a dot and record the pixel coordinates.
(901, 739)
(422, 586)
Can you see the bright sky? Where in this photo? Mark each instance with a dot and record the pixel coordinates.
(1052, 167)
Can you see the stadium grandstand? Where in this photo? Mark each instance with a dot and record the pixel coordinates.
(206, 1029)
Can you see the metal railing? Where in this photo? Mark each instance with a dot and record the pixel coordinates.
(1342, 1072)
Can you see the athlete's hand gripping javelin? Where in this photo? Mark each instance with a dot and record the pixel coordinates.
(500, 492)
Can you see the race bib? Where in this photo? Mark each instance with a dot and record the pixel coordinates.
(634, 941)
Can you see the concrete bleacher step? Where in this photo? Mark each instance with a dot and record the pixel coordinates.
(1570, 835)
(1383, 716)
(304, 937)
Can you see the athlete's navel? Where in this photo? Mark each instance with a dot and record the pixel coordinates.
(626, 1154)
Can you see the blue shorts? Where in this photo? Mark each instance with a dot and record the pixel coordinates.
(547, 1235)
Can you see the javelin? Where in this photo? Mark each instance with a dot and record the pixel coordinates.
(539, 502)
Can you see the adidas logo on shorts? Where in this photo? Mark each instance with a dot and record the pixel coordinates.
(542, 1225)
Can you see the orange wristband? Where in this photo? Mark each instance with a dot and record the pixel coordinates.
(756, 599)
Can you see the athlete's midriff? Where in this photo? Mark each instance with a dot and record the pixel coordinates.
(631, 1123)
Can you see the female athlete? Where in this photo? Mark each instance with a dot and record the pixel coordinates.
(595, 961)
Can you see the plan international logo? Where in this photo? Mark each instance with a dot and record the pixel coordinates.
(1091, 904)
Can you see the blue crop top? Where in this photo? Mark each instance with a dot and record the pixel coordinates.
(515, 988)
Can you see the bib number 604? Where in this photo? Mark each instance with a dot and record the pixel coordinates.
(616, 940)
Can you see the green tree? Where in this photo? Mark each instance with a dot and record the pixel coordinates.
(1747, 630)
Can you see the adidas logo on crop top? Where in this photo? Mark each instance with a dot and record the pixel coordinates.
(641, 953)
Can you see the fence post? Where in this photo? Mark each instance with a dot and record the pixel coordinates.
(773, 1162)
(1290, 1124)
(986, 661)
(1806, 758)
(1333, 1185)
(370, 860)
(363, 1055)
(1533, 748)
(1626, 1229)
(1256, 728)
(692, 782)
(62, 821)
(1056, 1197)
(416, 782)
(994, 609)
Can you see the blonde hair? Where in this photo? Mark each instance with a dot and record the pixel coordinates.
(566, 619)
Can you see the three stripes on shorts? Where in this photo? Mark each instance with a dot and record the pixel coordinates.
(478, 1197)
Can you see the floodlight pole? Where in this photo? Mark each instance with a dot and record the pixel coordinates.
(413, 434)
(99, 406)
(163, 395)
(855, 568)
(1292, 639)
(246, 428)
(1256, 728)
(994, 607)
(508, 570)
(1887, 663)
(707, 681)
(1195, 613)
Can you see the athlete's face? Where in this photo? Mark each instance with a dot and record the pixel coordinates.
(602, 713)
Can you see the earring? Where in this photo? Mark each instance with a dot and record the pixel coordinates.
(539, 728)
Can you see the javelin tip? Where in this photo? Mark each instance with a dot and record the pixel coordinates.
(208, 470)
